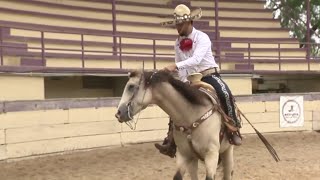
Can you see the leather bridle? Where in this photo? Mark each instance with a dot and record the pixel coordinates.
(131, 99)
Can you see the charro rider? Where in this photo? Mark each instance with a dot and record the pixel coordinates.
(193, 54)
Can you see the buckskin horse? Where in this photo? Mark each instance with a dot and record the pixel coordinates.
(194, 114)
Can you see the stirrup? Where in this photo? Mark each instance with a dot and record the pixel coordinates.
(235, 139)
(166, 149)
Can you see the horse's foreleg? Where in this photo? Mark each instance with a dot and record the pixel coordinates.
(181, 166)
(227, 162)
(211, 163)
(193, 169)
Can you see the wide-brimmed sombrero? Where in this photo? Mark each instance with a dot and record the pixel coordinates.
(182, 14)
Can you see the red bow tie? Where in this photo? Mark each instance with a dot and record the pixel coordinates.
(186, 44)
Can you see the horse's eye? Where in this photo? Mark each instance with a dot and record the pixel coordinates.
(131, 87)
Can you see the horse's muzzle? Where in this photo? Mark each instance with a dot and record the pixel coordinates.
(118, 116)
(122, 114)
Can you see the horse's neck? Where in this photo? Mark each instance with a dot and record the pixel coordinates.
(175, 105)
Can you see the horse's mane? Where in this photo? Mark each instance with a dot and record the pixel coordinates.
(190, 93)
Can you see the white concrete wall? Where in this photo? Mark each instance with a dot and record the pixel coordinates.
(29, 133)
(33, 133)
(21, 88)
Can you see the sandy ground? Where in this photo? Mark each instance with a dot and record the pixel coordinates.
(299, 153)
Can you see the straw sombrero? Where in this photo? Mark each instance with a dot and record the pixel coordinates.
(182, 14)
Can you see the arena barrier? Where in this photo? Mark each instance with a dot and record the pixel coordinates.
(35, 128)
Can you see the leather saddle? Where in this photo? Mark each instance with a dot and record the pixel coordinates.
(195, 81)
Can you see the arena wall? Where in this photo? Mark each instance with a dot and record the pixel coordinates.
(72, 87)
(33, 128)
(21, 87)
(239, 84)
(36, 87)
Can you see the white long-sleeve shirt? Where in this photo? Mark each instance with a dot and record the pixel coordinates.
(198, 59)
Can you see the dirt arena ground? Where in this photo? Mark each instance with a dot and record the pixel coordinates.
(299, 153)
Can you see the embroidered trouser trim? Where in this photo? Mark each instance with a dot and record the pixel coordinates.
(225, 96)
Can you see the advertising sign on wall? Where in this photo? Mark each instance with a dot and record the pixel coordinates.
(291, 111)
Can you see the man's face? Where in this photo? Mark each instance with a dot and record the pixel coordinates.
(182, 28)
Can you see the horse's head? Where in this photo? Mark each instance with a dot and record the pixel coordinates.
(135, 97)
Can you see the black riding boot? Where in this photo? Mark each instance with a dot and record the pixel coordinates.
(168, 146)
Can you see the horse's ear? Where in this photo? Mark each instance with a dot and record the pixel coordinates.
(135, 73)
(132, 74)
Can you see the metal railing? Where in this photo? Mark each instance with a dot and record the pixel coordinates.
(118, 45)
(228, 54)
(43, 52)
(280, 48)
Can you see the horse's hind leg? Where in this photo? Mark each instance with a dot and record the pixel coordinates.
(211, 163)
(227, 163)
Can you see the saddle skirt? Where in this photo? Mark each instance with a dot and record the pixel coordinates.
(216, 103)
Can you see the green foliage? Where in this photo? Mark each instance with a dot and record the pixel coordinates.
(293, 15)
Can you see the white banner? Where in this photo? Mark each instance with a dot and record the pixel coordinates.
(291, 111)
